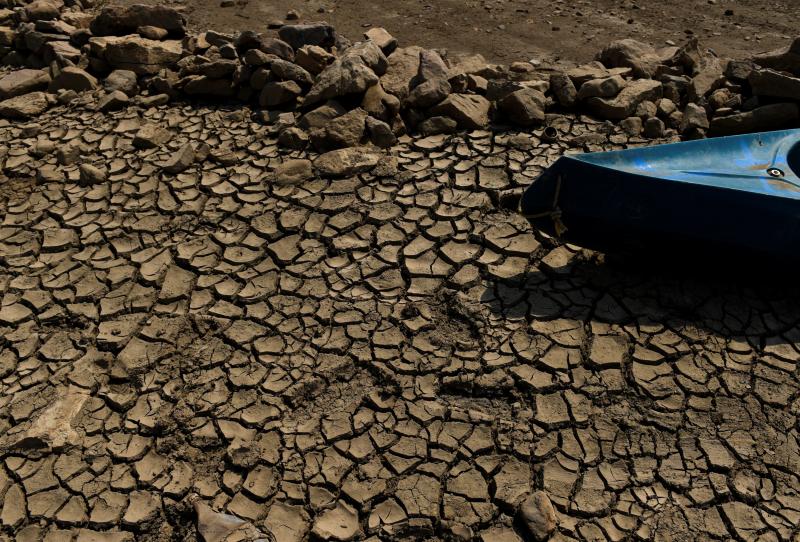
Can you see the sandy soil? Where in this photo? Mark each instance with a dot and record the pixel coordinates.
(508, 30)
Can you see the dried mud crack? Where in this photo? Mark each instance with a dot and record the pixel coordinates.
(298, 322)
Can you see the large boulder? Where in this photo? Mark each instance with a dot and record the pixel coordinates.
(353, 73)
(470, 111)
(137, 54)
(775, 84)
(25, 106)
(319, 34)
(21, 82)
(124, 20)
(432, 85)
(403, 67)
(344, 131)
(524, 107)
(764, 118)
(642, 58)
(786, 59)
(624, 104)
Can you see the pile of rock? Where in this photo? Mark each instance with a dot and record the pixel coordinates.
(328, 93)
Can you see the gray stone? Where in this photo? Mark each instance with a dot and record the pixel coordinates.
(124, 80)
(524, 107)
(289, 71)
(24, 81)
(624, 104)
(347, 75)
(202, 85)
(437, 125)
(344, 131)
(632, 126)
(432, 86)
(313, 58)
(346, 162)
(180, 159)
(293, 138)
(152, 32)
(43, 10)
(642, 58)
(319, 34)
(403, 67)
(380, 133)
(151, 136)
(786, 59)
(538, 516)
(140, 55)
(113, 101)
(694, 117)
(774, 84)
(25, 106)
(277, 93)
(292, 172)
(73, 78)
(653, 128)
(767, 117)
(470, 111)
(607, 87)
(380, 104)
(322, 115)
(382, 38)
(564, 89)
(123, 20)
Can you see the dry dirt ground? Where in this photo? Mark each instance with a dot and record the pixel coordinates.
(510, 30)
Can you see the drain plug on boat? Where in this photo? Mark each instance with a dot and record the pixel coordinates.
(775, 172)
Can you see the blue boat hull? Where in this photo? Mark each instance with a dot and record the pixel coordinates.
(740, 192)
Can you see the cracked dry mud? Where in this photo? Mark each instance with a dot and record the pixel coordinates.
(212, 355)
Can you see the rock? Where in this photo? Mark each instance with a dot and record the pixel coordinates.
(437, 125)
(403, 67)
(53, 428)
(471, 112)
(43, 10)
(25, 106)
(642, 58)
(113, 101)
(124, 20)
(607, 87)
(292, 172)
(499, 534)
(218, 527)
(694, 117)
(738, 71)
(274, 46)
(594, 70)
(665, 107)
(220, 69)
(202, 85)
(653, 128)
(786, 59)
(73, 78)
(91, 175)
(322, 115)
(289, 71)
(767, 117)
(123, 80)
(344, 131)
(723, 97)
(343, 77)
(319, 34)
(382, 38)
(768, 82)
(646, 109)
(538, 516)
(339, 523)
(180, 159)
(279, 93)
(709, 77)
(564, 89)
(625, 103)
(380, 133)
(432, 86)
(632, 126)
(154, 101)
(293, 138)
(524, 107)
(152, 32)
(151, 136)
(313, 58)
(380, 104)
(24, 81)
(140, 55)
(346, 162)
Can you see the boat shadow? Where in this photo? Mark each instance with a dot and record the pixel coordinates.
(732, 296)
